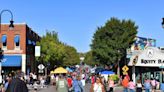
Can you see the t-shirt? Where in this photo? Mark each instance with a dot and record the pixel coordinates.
(147, 85)
(69, 80)
(97, 87)
(93, 79)
(83, 82)
(125, 82)
(139, 85)
(62, 85)
(111, 83)
(131, 85)
(34, 76)
(162, 87)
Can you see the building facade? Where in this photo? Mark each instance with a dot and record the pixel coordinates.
(18, 45)
(145, 60)
(148, 63)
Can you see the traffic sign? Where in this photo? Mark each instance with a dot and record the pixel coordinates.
(41, 71)
(125, 73)
(41, 66)
(37, 51)
(125, 68)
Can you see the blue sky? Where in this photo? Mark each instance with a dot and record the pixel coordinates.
(77, 20)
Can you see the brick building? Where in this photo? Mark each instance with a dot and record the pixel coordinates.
(18, 45)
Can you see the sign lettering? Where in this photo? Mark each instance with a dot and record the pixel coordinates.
(159, 61)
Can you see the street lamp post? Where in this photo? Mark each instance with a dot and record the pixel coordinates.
(162, 63)
(135, 59)
(118, 64)
(162, 22)
(11, 26)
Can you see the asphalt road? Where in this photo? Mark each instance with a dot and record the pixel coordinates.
(87, 89)
(52, 89)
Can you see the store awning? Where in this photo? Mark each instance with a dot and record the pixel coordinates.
(17, 38)
(4, 38)
(12, 61)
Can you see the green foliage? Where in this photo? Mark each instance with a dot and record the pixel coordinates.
(89, 59)
(111, 40)
(55, 52)
(71, 56)
(51, 49)
(114, 77)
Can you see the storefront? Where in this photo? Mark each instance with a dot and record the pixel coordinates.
(11, 63)
(148, 63)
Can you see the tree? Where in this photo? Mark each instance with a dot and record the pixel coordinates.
(52, 50)
(55, 52)
(71, 56)
(110, 41)
(89, 59)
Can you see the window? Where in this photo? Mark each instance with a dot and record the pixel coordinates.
(17, 41)
(4, 42)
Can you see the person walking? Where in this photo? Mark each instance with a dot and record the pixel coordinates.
(162, 86)
(77, 85)
(70, 81)
(131, 86)
(93, 79)
(153, 84)
(17, 85)
(97, 86)
(61, 85)
(8, 81)
(147, 85)
(83, 76)
(125, 82)
(139, 86)
(110, 85)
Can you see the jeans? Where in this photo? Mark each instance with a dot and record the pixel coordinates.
(125, 90)
(147, 90)
(131, 90)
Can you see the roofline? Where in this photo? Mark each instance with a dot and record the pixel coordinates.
(25, 24)
(14, 23)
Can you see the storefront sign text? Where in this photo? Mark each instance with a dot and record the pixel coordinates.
(159, 61)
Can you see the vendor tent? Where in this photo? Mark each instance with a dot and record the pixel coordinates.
(107, 72)
(60, 70)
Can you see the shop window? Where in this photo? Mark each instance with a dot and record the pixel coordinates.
(17, 41)
(4, 42)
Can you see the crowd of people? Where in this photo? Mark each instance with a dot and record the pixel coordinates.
(100, 84)
(18, 81)
(14, 83)
(75, 82)
(149, 85)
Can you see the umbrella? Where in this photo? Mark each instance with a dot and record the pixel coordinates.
(60, 70)
(99, 70)
(69, 69)
(107, 72)
(52, 72)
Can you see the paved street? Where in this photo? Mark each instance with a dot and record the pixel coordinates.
(52, 89)
(87, 88)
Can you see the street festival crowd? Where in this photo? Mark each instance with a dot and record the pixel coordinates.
(76, 81)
